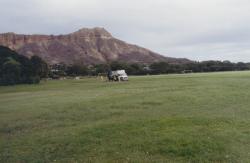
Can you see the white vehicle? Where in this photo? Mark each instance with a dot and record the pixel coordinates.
(119, 75)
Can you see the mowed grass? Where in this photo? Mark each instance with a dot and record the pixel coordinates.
(168, 118)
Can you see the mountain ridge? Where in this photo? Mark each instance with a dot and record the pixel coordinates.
(84, 46)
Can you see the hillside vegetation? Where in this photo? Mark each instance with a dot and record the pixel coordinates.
(174, 118)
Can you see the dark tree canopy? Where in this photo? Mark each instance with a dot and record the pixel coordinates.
(40, 66)
(17, 69)
(77, 70)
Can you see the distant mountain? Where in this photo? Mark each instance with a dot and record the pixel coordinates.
(85, 46)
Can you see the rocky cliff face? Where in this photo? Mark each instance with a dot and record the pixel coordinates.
(86, 46)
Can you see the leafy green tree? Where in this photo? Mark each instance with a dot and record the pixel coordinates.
(136, 69)
(242, 66)
(118, 65)
(11, 72)
(17, 69)
(40, 67)
(160, 68)
(77, 70)
(101, 68)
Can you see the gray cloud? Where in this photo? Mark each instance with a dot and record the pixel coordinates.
(196, 29)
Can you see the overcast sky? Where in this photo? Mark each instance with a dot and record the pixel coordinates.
(194, 29)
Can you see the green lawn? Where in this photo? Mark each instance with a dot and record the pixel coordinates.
(171, 118)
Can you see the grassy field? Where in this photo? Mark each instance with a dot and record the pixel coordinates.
(174, 118)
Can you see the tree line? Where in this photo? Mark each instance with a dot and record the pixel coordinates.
(18, 69)
(147, 69)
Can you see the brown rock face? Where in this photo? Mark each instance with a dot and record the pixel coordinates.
(86, 46)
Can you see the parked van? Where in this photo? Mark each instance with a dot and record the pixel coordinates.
(119, 75)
